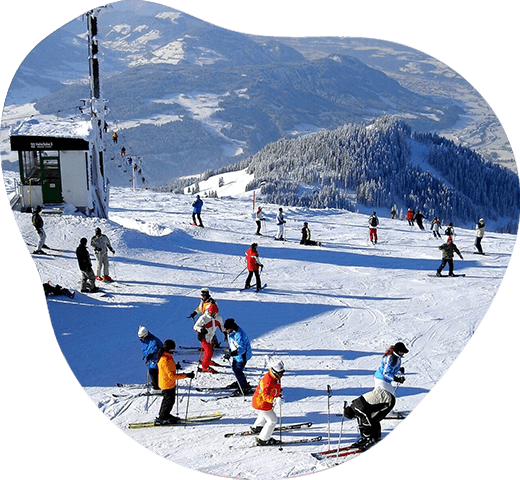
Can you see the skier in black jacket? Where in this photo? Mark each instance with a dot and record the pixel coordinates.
(37, 222)
(88, 279)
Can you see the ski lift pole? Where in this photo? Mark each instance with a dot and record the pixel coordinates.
(329, 394)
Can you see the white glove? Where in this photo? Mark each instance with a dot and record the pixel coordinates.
(278, 402)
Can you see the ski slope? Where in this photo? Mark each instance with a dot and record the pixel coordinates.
(329, 312)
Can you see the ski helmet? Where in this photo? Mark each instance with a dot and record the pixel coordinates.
(83, 241)
(400, 349)
(142, 332)
(169, 346)
(254, 245)
(230, 324)
(277, 366)
(204, 292)
(38, 208)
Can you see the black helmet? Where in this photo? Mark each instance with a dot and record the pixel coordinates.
(169, 346)
(254, 245)
(400, 349)
(230, 324)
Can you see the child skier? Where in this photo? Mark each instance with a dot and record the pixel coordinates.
(267, 396)
(372, 407)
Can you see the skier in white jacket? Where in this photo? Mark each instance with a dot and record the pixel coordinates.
(101, 244)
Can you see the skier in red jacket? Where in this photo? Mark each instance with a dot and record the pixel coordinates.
(253, 266)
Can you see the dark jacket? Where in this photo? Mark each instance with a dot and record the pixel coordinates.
(83, 258)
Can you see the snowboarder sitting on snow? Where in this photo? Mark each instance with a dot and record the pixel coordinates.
(88, 279)
(253, 266)
(150, 345)
(240, 351)
(372, 407)
(480, 227)
(56, 290)
(168, 377)
(197, 210)
(206, 327)
(448, 251)
(306, 236)
(37, 222)
(267, 396)
(101, 244)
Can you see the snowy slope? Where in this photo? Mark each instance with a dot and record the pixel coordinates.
(329, 312)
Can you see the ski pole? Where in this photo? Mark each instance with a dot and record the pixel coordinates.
(187, 404)
(239, 274)
(329, 391)
(341, 429)
(281, 448)
(147, 390)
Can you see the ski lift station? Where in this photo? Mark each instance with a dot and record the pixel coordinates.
(59, 165)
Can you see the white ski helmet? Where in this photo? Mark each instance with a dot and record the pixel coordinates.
(142, 332)
(204, 292)
(277, 366)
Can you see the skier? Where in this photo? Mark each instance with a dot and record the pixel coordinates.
(101, 245)
(206, 326)
(306, 236)
(205, 302)
(197, 209)
(240, 351)
(280, 222)
(150, 345)
(259, 218)
(372, 407)
(410, 214)
(436, 226)
(450, 231)
(114, 137)
(373, 222)
(448, 251)
(38, 223)
(393, 212)
(168, 377)
(267, 396)
(419, 217)
(253, 266)
(88, 279)
(480, 227)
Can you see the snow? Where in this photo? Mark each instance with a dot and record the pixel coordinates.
(329, 312)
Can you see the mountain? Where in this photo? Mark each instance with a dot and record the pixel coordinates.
(379, 165)
(184, 95)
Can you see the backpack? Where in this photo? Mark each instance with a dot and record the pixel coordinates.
(373, 221)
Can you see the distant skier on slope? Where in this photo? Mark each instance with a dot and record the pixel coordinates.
(372, 407)
(448, 251)
(240, 351)
(450, 231)
(267, 396)
(410, 215)
(306, 236)
(393, 212)
(101, 244)
(253, 267)
(280, 223)
(150, 345)
(436, 227)
(419, 217)
(259, 218)
(373, 222)
(197, 210)
(480, 228)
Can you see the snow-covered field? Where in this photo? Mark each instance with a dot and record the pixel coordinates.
(329, 312)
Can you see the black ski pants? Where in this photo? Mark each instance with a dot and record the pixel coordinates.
(369, 416)
(257, 276)
(167, 404)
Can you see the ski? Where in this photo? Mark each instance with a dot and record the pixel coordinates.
(45, 247)
(253, 286)
(190, 421)
(129, 395)
(131, 385)
(293, 426)
(291, 442)
(231, 395)
(397, 415)
(444, 276)
(185, 347)
(336, 452)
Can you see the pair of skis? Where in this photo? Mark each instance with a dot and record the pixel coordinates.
(336, 452)
(196, 420)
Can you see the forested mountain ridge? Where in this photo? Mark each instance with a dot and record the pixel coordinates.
(382, 164)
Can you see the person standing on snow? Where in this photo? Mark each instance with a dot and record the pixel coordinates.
(206, 326)
(205, 301)
(393, 212)
(410, 217)
(168, 377)
(101, 244)
(436, 226)
(280, 223)
(448, 251)
(150, 345)
(372, 407)
(197, 210)
(38, 223)
(267, 396)
(480, 235)
(259, 218)
(253, 266)
(419, 217)
(88, 279)
(373, 222)
(240, 351)
(450, 231)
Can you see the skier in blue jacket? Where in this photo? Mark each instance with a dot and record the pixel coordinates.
(372, 407)
(240, 351)
(197, 209)
(150, 345)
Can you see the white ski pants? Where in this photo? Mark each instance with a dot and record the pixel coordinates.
(41, 238)
(266, 419)
(102, 263)
(281, 231)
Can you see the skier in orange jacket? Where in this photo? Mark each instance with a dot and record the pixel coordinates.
(267, 395)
